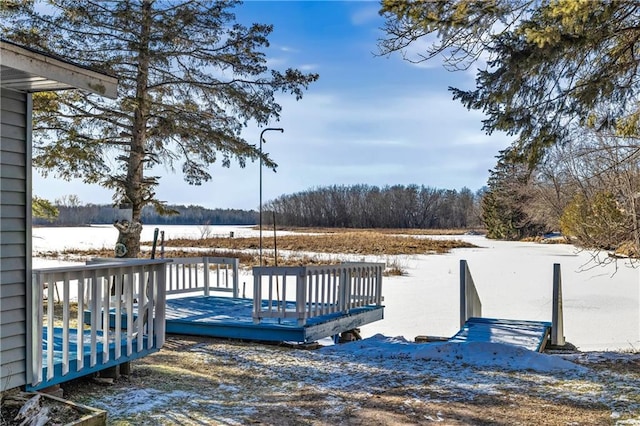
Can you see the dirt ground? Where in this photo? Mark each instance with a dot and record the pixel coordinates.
(196, 381)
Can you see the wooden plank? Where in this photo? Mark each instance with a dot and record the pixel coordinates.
(531, 335)
(343, 323)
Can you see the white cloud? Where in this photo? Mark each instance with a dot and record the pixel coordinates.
(366, 15)
(288, 49)
(308, 67)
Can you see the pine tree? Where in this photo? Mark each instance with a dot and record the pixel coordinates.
(548, 72)
(504, 204)
(190, 78)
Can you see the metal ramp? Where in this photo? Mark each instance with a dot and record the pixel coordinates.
(532, 335)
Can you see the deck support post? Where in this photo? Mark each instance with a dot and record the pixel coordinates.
(557, 326)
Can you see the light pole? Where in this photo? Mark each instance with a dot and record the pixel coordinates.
(262, 140)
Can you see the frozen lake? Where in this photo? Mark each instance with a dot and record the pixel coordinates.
(514, 281)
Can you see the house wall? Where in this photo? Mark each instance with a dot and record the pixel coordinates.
(15, 235)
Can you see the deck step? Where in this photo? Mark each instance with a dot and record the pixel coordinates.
(531, 335)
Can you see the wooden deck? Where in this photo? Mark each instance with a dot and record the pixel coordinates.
(289, 304)
(232, 318)
(531, 335)
(79, 355)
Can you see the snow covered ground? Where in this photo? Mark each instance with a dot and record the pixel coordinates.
(514, 281)
(386, 378)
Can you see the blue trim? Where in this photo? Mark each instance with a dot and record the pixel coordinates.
(231, 318)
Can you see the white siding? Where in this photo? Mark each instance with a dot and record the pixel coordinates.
(14, 234)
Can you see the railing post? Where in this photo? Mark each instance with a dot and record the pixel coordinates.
(160, 305)
(463, 292)
(345, 289)
(557, 326)
(34, 329)
(206, 275)
(236, 286)
(257, 294)
(301, 296)
(378, 285)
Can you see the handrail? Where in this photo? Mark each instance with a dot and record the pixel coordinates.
(120, 313)
(470, 304)
(187, 274)
(557, 322)
(306, 292)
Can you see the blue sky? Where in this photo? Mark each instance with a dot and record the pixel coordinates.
(367, 120)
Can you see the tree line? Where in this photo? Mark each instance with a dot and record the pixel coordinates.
(364, 206)
(70, 212)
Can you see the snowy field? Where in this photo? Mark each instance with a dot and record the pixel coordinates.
(387, 379)
(514, 281)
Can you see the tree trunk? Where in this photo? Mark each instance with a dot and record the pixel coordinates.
(134, 185)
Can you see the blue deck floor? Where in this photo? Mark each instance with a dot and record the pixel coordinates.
(232, 318)
(531, 335)
(86, 369)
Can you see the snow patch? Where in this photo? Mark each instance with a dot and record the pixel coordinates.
(478, 354)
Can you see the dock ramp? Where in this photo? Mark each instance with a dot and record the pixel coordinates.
(531, 335)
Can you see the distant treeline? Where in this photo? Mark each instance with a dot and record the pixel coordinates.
(364, 206)
(72, 215)
(358, 206)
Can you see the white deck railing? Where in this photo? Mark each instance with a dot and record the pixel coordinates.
(187, 274)
(203, 274)
(305, 292)
(119, 316)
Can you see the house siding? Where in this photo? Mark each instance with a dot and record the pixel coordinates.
(14, 235)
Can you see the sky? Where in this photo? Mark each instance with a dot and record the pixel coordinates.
(369, 119)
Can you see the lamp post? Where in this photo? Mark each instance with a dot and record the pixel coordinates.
(262, 140)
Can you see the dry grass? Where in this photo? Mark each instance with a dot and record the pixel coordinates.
(58, 313)
(351, 242)
(308, 248)
(391, 231)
